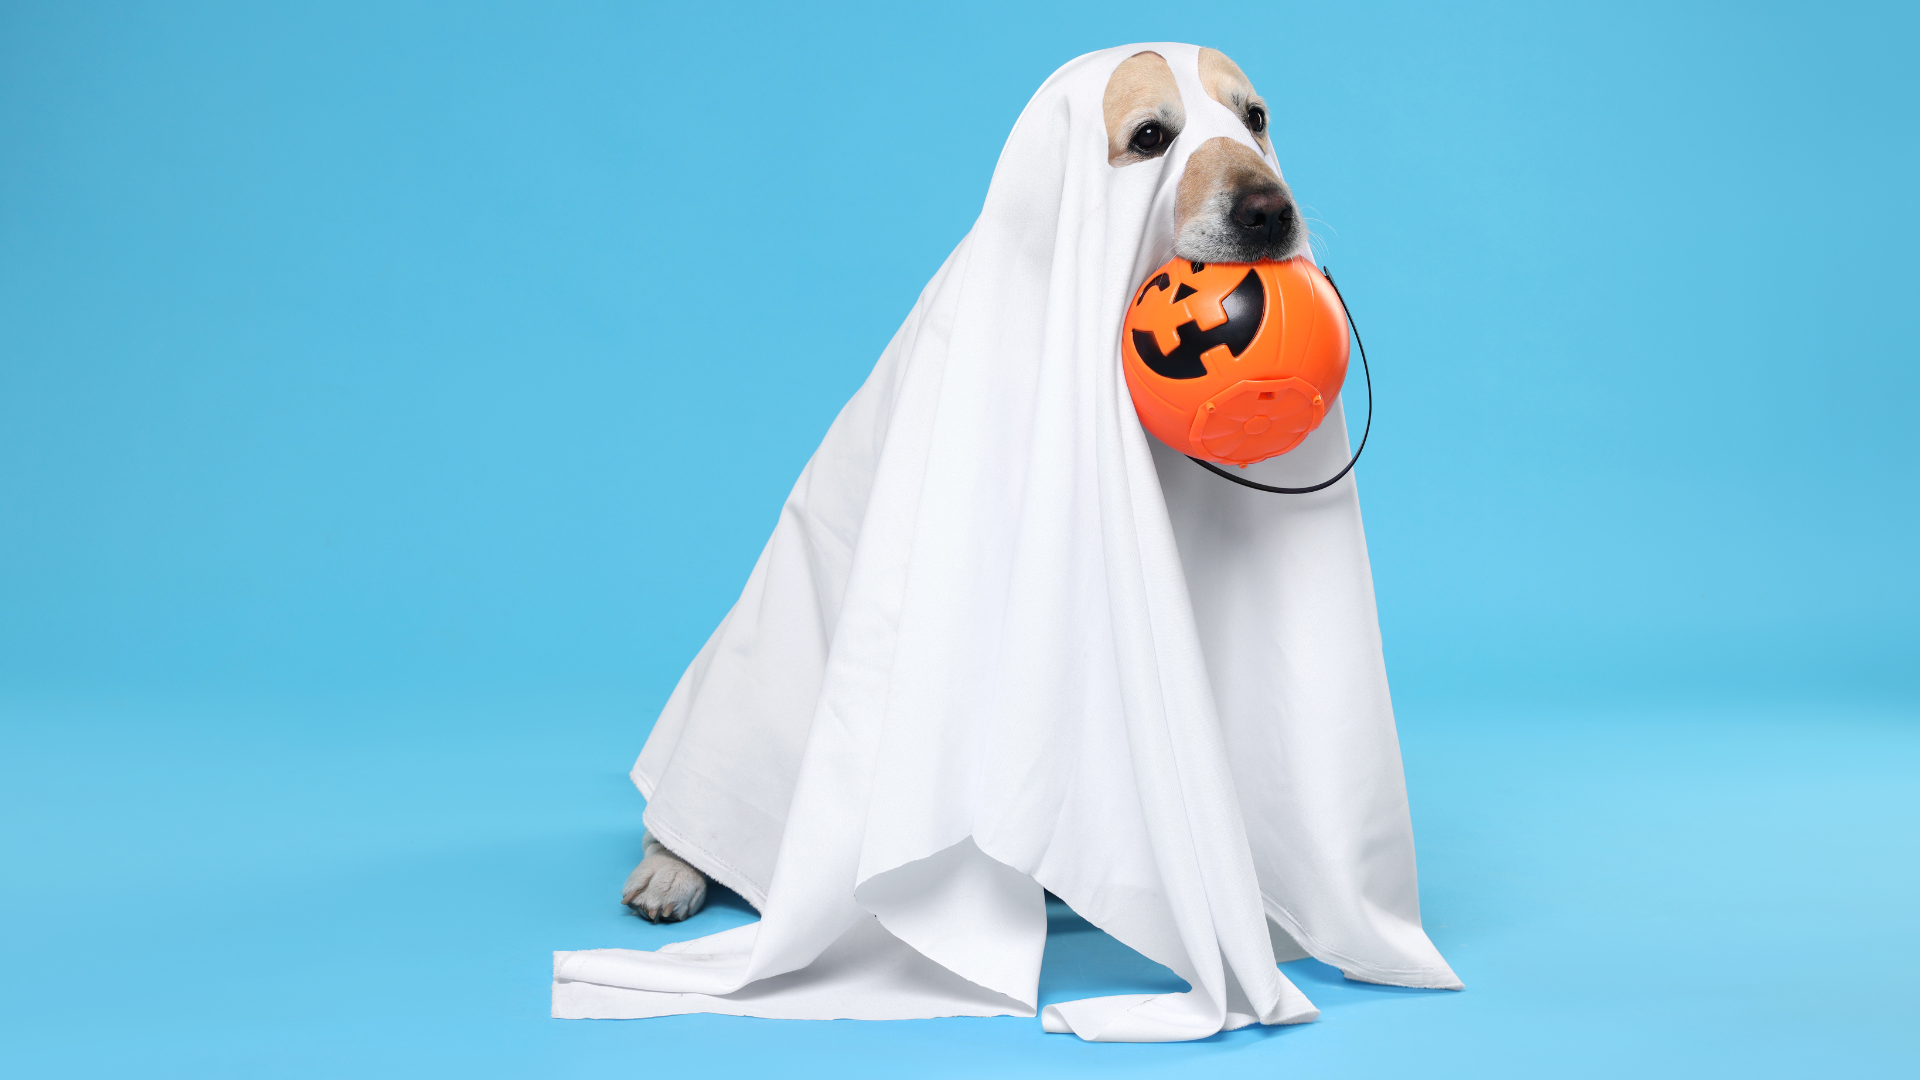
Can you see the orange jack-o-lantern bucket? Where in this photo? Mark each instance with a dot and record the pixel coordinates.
(1234, 362)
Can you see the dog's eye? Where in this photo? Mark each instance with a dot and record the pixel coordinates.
(1256, 119)
(1151, 138)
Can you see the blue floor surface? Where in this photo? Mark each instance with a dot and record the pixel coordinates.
(274, 890)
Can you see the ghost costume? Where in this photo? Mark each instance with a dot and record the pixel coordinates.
(1003, 642)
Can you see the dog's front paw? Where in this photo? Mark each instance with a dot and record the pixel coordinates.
(664, 888)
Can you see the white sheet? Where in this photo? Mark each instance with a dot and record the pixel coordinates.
(1001, 640)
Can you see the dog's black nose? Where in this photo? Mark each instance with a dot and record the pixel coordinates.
(1267, 214)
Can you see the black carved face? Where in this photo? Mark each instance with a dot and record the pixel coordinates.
(1244, 306)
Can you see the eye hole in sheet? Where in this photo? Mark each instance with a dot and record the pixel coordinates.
(1142, 109)
(1229, 86)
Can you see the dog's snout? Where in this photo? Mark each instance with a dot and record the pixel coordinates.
(1232, 207)
(1266, 213)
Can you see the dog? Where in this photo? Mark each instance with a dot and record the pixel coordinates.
(1229, 207)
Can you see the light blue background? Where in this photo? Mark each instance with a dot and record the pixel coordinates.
(392, 398)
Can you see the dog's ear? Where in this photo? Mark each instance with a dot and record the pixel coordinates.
(1229, 86)
(1142, 109)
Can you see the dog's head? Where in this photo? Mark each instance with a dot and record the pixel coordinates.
(1230, 205)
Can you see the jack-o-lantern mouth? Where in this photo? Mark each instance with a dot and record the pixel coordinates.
(1244, 307)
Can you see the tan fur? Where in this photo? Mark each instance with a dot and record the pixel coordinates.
(1229, 86)
(1221, 165)
(1140, 89)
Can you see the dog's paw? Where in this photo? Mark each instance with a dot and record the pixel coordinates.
(664, 888)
